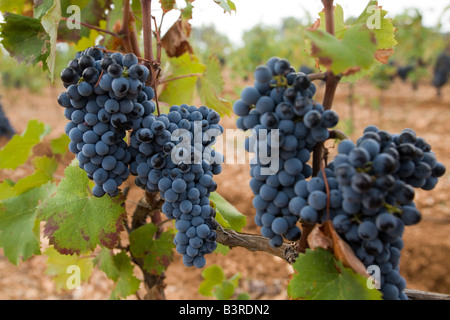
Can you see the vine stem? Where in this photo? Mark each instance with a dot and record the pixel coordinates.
(331, 82)
(146, 6)
(154, 64)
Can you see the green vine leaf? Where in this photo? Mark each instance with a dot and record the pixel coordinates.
(44, 168)
(186, 12)
(182, 90)
(226, 214)
(319, 276)
(118, 267)
(19, 229)
(91, 12)
(60, 145)
(18, 6)
(58, 266)
(76, 221)
(226, 5)
(212, 276)
(210, 86)
(216, 284)
(167, 5)
(156, 252)
(41, 8)
(357, 49)
(354, 52)
(18, 149)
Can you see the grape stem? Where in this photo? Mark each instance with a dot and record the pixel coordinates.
(317, 76)
(338, 134)
(89, 26)
(180, 77)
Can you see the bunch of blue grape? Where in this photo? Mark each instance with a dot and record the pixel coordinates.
(370, 198)
(173, 154)
(105, 96)
(286, 124)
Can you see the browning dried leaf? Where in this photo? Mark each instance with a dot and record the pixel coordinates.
(324, 236)
(175, 41)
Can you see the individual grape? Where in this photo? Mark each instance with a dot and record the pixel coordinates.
(120, 86)
(280, 225)
(317, 200)
(367, 230)
(309, 215)
(91, 75)
(69, 76)
(263, 74)
(250, 96)
(115, 70)
(86, 61)
(129, 59)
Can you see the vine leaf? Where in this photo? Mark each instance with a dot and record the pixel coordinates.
(210, 86)
(216, 284)
(339, 25)
(324, 236)
(186, 12)
(44, 168)
(89, 40)
(167, 5)
(91, 12)
(212, 276)
(319, 276)
(156, 252)
(182, 90)
(19, 6)
(356, 49)
(58, 267)
(175, 42)
(206, 79)
(222, 248)
(354, 52)
(6, 190)
(226, 5)
(60, 145)
(76, 221)
(19, 229)
(226, 214)
(18, 149)
(118, 267)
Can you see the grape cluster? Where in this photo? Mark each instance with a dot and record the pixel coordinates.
(370, 198)
(173, 154)
(105, 96)
(286, 125)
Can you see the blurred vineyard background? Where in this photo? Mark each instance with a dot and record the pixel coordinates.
(403, 93)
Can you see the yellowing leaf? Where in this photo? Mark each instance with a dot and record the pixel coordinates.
(76, 221)
(18, 149)
(63, 268)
